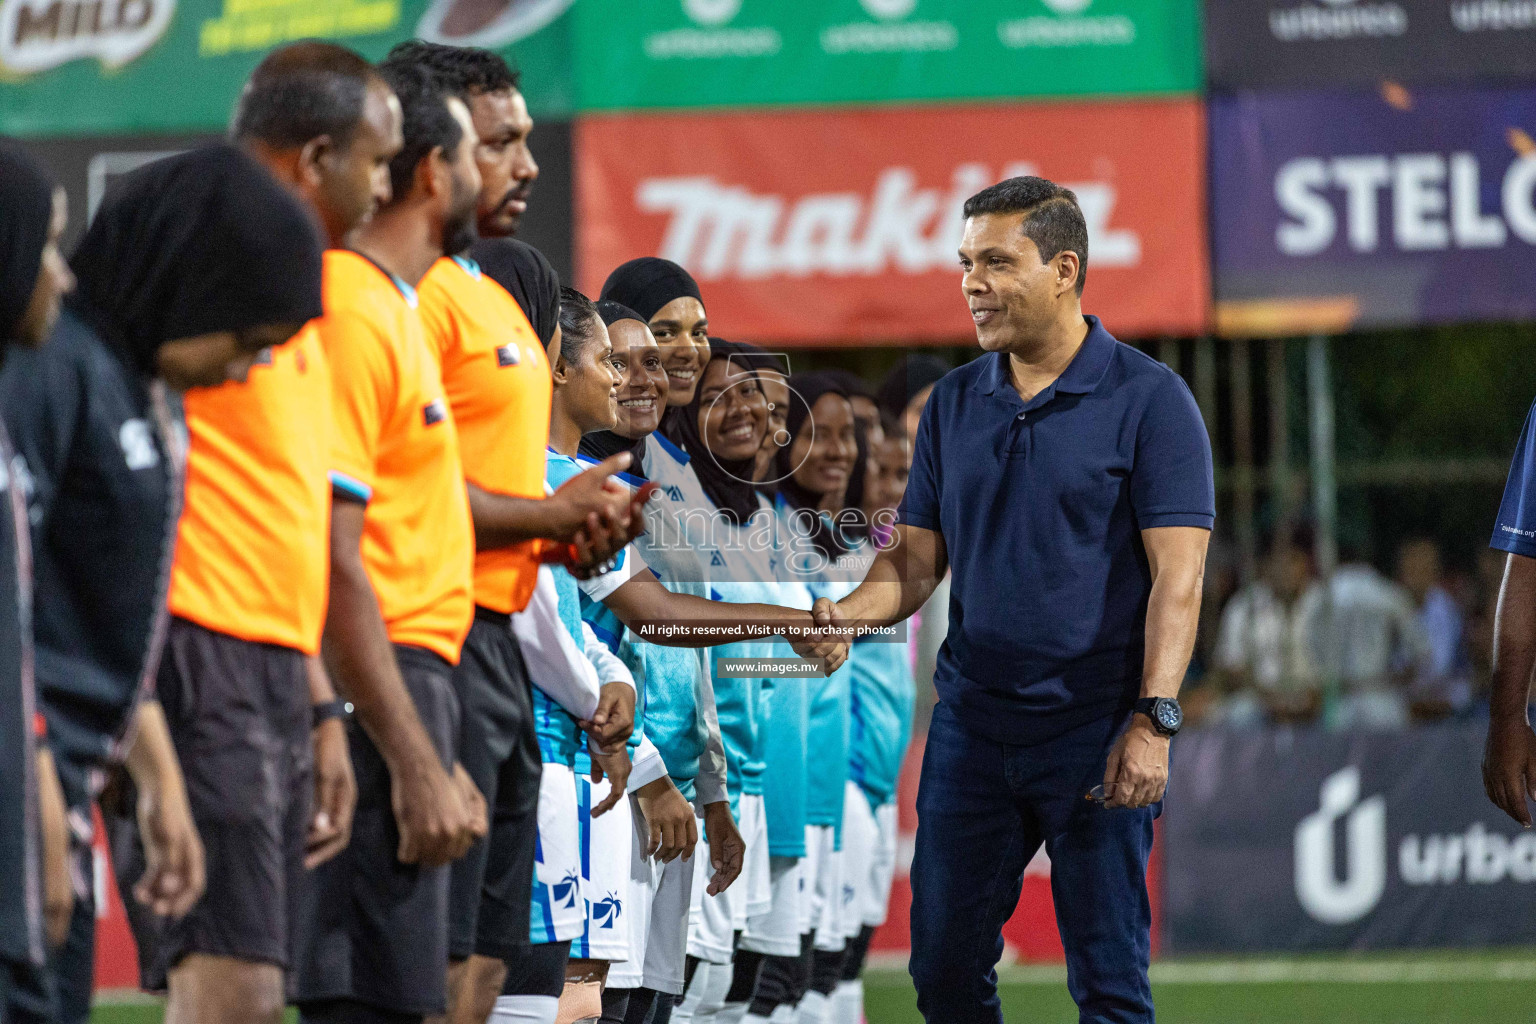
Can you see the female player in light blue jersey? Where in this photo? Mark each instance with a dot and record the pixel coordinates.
(535, 982)
(722, 431)
(884, 693)
(676, 707)
(817, 472)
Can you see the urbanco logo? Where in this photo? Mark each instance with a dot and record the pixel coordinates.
(889, 32)
(1337, 19)
(711, 36)
(1068, 28)
(1323, 895)
(888, 10)
(712, 12)
(1068, 6)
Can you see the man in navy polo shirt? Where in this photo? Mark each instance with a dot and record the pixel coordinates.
(1509, 757)
(1065, 479)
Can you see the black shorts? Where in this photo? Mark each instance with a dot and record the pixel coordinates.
(239, 716)
(374, 930)
(492, 885)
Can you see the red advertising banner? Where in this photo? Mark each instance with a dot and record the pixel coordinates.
(840, 227)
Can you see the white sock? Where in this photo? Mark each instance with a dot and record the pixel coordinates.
(704, 998)
(784, 1014)
(848, 1003)
(688, 1005)
(525, 1010)
(753, 1018)
(734, 1013)
(813, 1008)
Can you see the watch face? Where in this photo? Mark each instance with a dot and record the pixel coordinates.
(1168, 715)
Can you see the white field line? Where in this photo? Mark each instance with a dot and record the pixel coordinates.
(1259, 972)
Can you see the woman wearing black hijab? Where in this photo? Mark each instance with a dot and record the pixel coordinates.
(668, 300)
(196, 263)
(727, 479)
(812, 475)
(33, 835)
(33, 275)
(822, 467)
(527, 276)
(191, 267)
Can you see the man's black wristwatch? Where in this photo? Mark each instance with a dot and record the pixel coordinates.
(1167, 717)
(327, 710)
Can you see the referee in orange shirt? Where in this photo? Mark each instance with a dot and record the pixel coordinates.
(373, 928)
(250, 580)
(497, 381)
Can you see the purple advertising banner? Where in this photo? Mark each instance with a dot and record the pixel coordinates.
(1341, 210)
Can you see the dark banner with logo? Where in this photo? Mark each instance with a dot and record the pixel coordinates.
(1317, 43)
(1305, 840)
(1335, 210)
(87, 168)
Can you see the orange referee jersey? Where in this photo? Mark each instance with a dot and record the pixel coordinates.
(253, 544)
(496, 377)
(396, 448)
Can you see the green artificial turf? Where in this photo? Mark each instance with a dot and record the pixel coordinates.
(1492, 988)
(1497, 989)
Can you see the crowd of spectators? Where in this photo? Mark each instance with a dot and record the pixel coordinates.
(1361, 650)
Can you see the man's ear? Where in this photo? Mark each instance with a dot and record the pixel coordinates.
(558, 371)
(314, 159)
(433, 175)
(1067, 269)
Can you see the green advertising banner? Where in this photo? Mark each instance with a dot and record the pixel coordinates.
(719, 53)
(87, 67)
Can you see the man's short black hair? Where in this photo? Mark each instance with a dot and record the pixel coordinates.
(301, 92)
(1054, 221)
(427, 124)
(465, 71)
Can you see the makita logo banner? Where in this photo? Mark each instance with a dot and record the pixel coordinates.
(1312, 840)
(829, 228)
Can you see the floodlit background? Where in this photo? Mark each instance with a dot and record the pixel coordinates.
(1323, 214)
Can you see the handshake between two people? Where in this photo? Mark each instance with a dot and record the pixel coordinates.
(829, 637)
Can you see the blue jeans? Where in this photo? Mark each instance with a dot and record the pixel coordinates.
(984, 809)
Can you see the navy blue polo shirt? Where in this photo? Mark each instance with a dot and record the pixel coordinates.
(1515, 529)
(1041, 505)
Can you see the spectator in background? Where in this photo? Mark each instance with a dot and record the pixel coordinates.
(906, 389)
(1443, 687)
(1264, 656)
(1202, 693)
(1482, 608)
(1367, 635)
